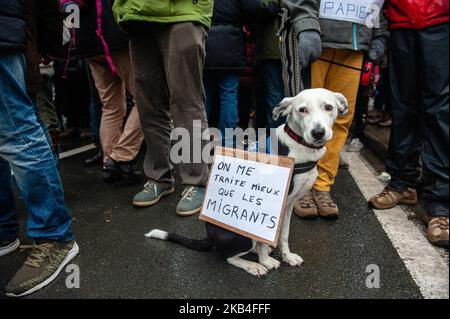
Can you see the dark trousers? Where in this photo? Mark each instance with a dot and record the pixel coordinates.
(420, 114)
(168, 68)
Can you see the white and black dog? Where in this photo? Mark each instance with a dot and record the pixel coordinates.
(309, 125)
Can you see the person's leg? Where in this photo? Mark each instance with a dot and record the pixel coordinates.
(228, 92)
(9, 228)
(402, 162)
(346, 81)
(23, 144)
(433, 63)
(274, 90)
(210, 83)
(183, 52)
(130, 141)
(111, 90)
(153, 105)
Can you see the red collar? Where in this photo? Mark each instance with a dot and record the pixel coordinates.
(299, 139)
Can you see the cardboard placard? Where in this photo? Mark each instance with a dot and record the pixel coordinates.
(247, 193)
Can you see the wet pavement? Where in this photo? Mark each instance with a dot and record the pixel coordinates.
(117, 261)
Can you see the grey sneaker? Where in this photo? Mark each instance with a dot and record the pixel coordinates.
(191, 202)
(152, 194)
(7, 247)
(44, 264)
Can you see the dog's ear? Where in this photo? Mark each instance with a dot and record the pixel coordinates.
(284, 108)
(342, 104)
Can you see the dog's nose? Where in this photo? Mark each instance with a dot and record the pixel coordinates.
(318, 133)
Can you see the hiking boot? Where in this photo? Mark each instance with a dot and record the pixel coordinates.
(151, 194)
(191, 202)
(305, 207)
(326, 207)
(42, 267)
(7, 247)
(114, 172)
(389, 198)
(437, 231)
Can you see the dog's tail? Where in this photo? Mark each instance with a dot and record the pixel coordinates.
(194, 244)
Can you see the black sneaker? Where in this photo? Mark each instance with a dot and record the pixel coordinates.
(121, 172)
(95, 160)
(7, 247)
(42, 267)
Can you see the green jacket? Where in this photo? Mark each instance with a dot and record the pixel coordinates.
(267, 42)
(163, 11)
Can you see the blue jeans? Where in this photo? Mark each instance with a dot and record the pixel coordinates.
(225, 86)
(270, 92)
(24, 149)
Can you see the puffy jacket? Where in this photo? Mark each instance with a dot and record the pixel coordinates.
(13, 33)
(163, 11)
(416, 14)
(225, 46)
(335, 34)
(267, 42)
(88, 43)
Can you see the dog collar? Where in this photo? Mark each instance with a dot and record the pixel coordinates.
(299, 139)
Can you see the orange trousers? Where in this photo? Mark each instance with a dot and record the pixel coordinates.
(341, 79)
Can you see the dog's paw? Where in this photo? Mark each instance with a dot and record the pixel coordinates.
(293, 259)
(270, 263)
(257, 269)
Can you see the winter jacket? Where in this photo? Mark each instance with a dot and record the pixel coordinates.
(12, 26)
(267, 43)
(163, 11)
(416, 14)
(225, 45)
(88, 42)
(44, 26)
(335, 34)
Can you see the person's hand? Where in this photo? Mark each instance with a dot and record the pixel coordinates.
(377, 49)
(309, 47)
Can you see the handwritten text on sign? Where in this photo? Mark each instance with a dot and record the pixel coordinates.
(358, 11)
(247, 196)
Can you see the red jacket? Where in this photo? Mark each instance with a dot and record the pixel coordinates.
(416, 14)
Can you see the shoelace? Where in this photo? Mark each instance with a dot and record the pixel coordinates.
(149, 186)
(189, 193)
(38, 255)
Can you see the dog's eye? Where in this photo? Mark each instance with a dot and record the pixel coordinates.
(303, 110)
(328, 108)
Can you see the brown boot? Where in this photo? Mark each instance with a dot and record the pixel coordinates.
(305, 207)
(389, 198)
(326, 207)
(437, 231)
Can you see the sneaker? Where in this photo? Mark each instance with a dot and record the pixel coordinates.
(355, 145)
(305, 207)
(191, 202)
(153, 192)
(44, 264)
(343, 164)
(326, 207)
(389, 198)
(95, 160)
(7, 247)
(437, 231)
(374, 117)
(387, 122)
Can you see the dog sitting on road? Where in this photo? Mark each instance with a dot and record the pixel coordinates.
(309, 125)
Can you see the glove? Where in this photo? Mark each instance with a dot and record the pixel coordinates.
(309, 47)
(377, 49)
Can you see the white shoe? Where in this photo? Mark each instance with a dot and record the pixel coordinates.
(9, 248)
(355, 146)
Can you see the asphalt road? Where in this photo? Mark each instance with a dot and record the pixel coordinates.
(117, 261)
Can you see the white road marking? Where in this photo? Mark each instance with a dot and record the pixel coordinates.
(76, 151)
(427, 267)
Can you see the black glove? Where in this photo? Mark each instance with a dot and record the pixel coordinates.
(377, 49)
(309, 47)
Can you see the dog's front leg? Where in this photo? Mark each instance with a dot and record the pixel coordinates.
(264, 258)
(288, 257)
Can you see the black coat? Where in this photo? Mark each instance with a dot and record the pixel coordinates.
(88, 43)
(13, 33)
(225, 46)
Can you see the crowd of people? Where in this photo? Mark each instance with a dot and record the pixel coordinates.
(132, 70)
